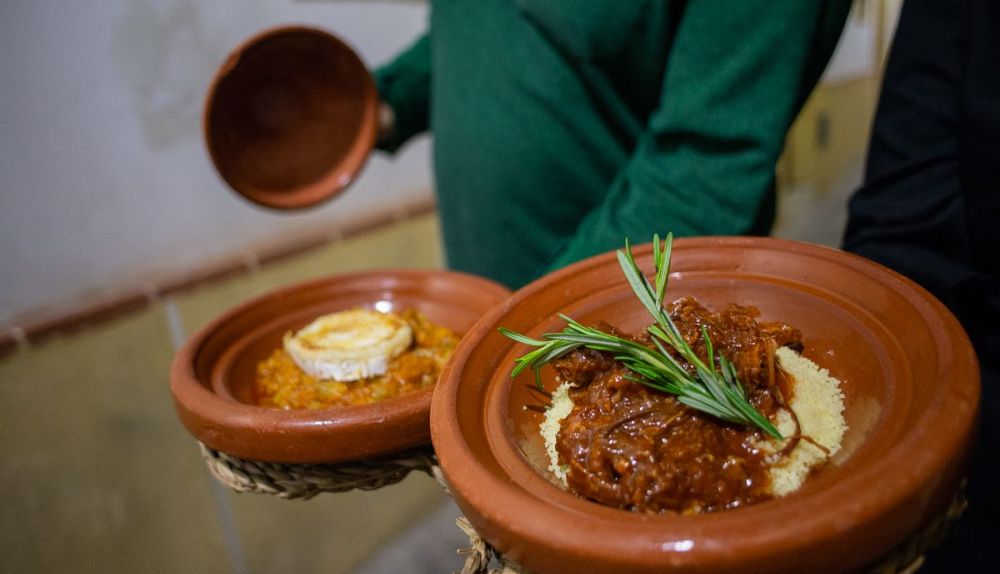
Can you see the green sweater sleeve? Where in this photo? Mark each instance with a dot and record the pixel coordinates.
(405, 84)
(734, 81)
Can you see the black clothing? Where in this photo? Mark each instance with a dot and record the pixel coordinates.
(930, 208)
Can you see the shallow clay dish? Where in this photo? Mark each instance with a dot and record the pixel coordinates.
(213, 372)
(909, 375)
(291, 117)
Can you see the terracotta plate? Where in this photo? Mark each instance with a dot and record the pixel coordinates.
(291, 117)
(908, 372)
(213, 372)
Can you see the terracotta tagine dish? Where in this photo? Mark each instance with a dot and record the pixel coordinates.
(291, 117)
(213, 375)
(910, 390)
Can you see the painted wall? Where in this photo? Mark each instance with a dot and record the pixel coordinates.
(105, 184)
(104, 180)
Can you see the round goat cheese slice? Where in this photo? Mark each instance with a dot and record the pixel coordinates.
(349, 345)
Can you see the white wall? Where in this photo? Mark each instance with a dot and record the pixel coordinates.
(104, 178)
(855, 56)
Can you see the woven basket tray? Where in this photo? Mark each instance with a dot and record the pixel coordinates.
(307, 480)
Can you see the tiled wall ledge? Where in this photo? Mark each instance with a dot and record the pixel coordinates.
(32, 328)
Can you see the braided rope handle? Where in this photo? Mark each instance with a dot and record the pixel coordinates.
(480, 554)
(307, 480)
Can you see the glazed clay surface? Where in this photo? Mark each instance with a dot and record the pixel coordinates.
(291, 117)
(908, 373)
(212, 373)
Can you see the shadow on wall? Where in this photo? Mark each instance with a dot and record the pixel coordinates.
(164, 53)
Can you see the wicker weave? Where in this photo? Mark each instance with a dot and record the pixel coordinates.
(307, 480)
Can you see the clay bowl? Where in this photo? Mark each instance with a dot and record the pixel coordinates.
(908, 372)
(291, 117)
(212, 373)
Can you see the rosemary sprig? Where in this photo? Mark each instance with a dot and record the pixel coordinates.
(714, 389)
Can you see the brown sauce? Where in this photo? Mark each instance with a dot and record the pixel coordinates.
(635, 448)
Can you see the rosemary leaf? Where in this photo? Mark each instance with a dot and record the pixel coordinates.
(715, 391)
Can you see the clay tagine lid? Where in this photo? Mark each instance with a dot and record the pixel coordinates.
(908, 372)
(291, 117)
(212, 374)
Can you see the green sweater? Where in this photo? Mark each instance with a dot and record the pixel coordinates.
(561, 127)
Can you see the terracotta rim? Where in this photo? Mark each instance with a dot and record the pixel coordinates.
(221, 421)
(548, 530)
(340, 175)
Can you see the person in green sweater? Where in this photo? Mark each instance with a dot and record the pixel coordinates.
(562, 127)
